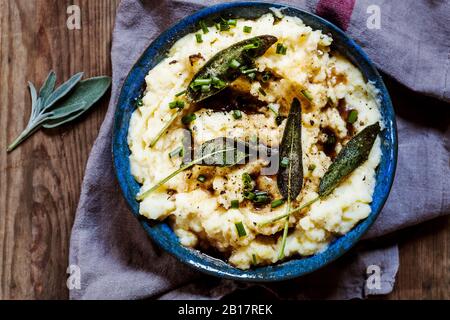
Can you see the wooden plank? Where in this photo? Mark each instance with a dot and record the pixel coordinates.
(41, 180)
(424, 262)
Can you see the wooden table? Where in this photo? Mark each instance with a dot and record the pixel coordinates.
(40, 181)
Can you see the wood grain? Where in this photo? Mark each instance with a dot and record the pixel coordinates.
(40, 181)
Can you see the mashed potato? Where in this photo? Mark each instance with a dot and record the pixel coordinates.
(202, 212)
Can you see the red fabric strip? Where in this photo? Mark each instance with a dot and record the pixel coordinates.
(336, 11)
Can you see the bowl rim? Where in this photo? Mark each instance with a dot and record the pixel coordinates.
(201, 261)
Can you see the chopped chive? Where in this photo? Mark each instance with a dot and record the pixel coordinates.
(277, 203)
(311, 167)
(254, 45)
(187, 119)
(252, 75)
(139, 103)
(217, 25)
(284, 162)
(254, 259)
(237, 114)
(261, 198)
(232, 22)
(261, 90)
(273, 107)
(247, 29)
(178, 104)
(281, 49)
(180, 93)
(266, 77)
(249, 195)
(240, 229)
(234, 204)
(247, 71)
(206, 88)
(201, 178)
(234, 64)
(198, 37)
(307, 95)
(203, 27)
(247, 180)
(224, 25)
(217, 83)
(352, 116)
(279, 120)
(201, 82)
(176, 152)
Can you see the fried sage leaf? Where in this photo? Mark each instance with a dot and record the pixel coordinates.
(225, 66)
(290, 172)
(352, 155)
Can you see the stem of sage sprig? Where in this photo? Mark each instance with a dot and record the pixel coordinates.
(307, 204)
(51, 108)
(31, 128)
(143, 195)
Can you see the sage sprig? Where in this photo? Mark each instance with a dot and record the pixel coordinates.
(290, 173)
(216, 152)
(53, 107)
(352, 155)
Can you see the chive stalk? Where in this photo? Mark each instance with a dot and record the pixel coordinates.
(176, 152)
(276, 203)
(203, 27)
(240, 229)
(237, 114)
(234, 64)
(234, 204)
(164, 129)
(352, 116)
(187, 119)
(307, 95)
(284, 162)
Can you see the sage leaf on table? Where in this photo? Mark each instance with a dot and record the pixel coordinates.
(216, 152)
(226, 66)
(290, 172)
(54, 107)
(352, 155)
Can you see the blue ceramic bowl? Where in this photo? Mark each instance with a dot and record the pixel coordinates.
(162, 234)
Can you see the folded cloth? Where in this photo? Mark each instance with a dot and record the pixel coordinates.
(117, 260)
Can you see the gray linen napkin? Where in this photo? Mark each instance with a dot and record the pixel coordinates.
(117, 259)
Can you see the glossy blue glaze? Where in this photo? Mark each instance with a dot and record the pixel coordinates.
(161, 232)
